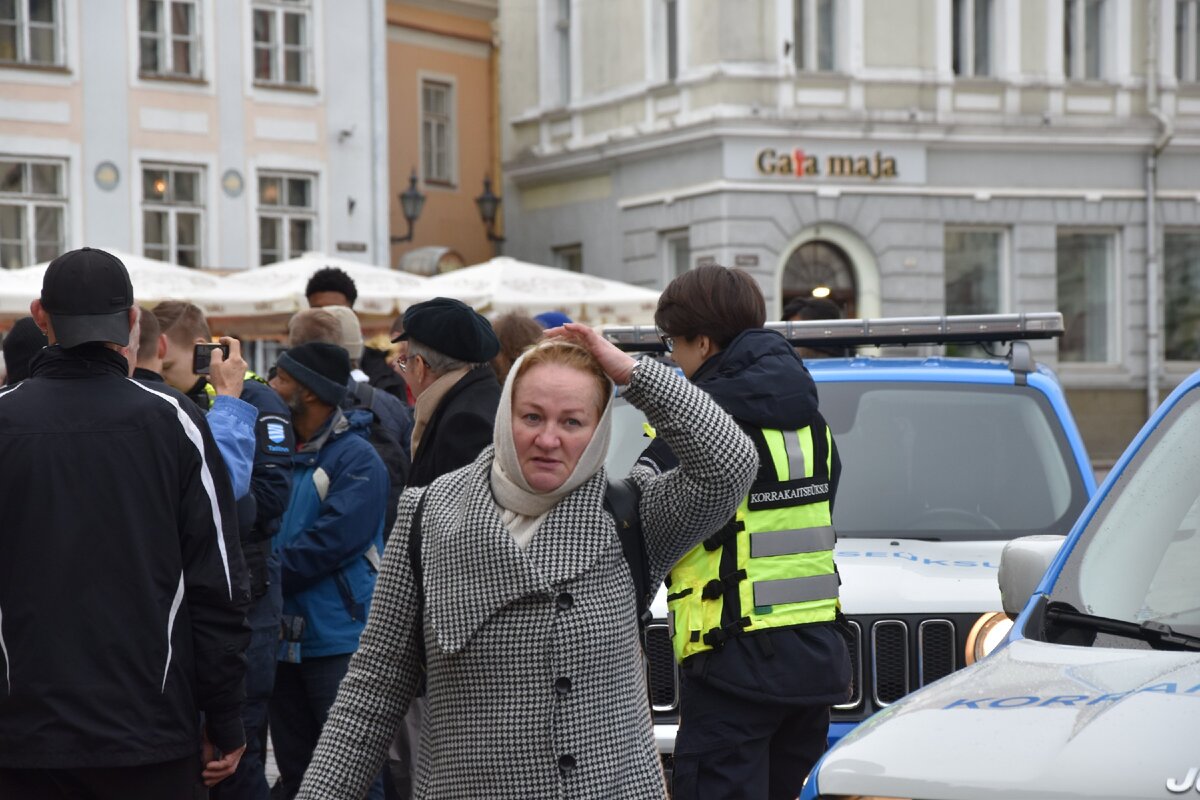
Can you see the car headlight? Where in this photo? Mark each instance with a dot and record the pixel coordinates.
(986, 634)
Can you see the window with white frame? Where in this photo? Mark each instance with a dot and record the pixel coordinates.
(169, 38)
(562, 29)
(30, 32)
(1187, 40)
(814, 24)
(437, 132)
(569, 257)
(972, 22)
(287, 215)
(173, 214)
(975, 261)
(676, 254)
(33, 211)
(1181, 295)
(1083, 39)
(283, 31)
(1086, 271)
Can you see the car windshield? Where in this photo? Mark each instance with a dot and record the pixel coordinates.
(1139, 556)
(931, 460)
(949, 461)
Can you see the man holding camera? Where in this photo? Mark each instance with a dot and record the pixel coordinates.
(187, 343)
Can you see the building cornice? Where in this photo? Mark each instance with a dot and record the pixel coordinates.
(600, 155)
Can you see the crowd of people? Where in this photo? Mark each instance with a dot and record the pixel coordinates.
(404, 566)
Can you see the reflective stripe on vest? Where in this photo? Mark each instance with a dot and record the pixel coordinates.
(772, 565)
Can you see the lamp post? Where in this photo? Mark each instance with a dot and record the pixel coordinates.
(489, 204)
(411, 203)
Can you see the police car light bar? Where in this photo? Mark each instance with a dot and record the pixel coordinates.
(971, 328)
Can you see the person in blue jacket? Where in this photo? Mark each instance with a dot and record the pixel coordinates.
(330, 543)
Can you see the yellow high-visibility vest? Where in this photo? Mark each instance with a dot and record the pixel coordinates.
(772, 565)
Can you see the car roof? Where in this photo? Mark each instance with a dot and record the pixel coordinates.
(933, 369)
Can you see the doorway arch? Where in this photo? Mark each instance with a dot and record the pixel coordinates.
(831, 256)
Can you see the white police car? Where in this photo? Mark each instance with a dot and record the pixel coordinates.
(945, 459)
(1096, 692)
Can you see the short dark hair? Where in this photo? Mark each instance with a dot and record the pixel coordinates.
(181, 321)
(713, 301)
(150, 331)
(332, 279)
(802, 308)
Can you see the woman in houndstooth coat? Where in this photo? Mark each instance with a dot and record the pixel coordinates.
(534, 670)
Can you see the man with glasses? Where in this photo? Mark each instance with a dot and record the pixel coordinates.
(446, 366)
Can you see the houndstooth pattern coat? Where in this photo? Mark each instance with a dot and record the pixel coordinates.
(535, 679)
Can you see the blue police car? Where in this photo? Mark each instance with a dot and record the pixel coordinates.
(1096, 691)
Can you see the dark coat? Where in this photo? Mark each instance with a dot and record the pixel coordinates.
(122, 584)
(459, 429)
(761, 382)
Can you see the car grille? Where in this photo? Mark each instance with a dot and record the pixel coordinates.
(889, 657)
(892, 656)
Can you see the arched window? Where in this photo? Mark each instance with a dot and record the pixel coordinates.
(821, 269)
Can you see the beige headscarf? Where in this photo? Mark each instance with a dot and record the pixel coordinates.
(521, 508)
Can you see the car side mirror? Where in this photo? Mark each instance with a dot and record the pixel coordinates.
(1022, 564)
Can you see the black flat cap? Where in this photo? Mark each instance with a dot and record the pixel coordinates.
(452, 328)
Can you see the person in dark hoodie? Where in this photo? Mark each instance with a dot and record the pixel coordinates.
(21, 344)
(755, 607)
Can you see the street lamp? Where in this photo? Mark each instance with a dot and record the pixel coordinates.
(489, 204)
(411, 203)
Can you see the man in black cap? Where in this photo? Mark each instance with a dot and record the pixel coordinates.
(329, 543)
(122, 586)
(446, 366)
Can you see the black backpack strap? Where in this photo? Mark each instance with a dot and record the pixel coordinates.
(414, 561)
(621, 500)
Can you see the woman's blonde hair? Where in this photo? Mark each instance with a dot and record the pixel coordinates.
(567, 354)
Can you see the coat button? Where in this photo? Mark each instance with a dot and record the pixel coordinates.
(566, 763)
(564, 601)
(562, 685)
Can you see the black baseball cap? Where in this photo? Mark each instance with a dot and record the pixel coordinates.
(452, 328)
(88, 294)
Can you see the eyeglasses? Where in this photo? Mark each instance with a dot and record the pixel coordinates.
(668, 342)
(403, 359)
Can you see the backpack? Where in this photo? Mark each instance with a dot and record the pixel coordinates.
(621, 500)
(389, 450)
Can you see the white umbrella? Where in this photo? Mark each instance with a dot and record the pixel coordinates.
(381, 291)
(155, 281)
(511, 285)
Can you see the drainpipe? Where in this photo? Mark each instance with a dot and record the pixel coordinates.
(1165, 131)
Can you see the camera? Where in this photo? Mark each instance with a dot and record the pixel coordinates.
(202, 356)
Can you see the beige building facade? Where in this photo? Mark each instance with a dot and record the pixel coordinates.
(209, 134)
(903, 157)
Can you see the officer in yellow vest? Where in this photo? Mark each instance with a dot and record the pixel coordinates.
(754, 608)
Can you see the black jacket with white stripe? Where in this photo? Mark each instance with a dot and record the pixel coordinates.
(122, 585)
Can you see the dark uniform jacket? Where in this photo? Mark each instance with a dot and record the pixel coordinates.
(260, 510)
(761, 382)
(460, 427)
(122, 586)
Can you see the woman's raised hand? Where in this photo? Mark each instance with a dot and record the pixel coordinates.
(617, 364)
